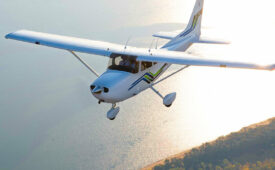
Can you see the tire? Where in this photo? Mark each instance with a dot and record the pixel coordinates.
(112, 118)
(168, 105)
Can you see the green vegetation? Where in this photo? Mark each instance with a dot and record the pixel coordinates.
(251, 148)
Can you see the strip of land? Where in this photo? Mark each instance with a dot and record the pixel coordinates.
(252, 147)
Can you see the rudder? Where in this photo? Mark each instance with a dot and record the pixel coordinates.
(193, 27)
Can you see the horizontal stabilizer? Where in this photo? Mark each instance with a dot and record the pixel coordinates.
(166, 35)
(207, 40)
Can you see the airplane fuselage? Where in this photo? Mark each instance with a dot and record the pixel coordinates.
(122, 85)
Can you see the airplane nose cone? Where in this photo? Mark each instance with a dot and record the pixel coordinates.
(108, 87)
(96, 89)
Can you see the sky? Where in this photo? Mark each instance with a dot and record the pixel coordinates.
(49, 119)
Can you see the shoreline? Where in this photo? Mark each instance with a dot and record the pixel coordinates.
(182, 154)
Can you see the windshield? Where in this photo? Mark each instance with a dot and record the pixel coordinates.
(123, 63)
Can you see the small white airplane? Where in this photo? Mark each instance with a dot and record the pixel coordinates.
(132, 70)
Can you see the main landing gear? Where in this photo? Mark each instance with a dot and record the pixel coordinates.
(168, 99)
(111, 114)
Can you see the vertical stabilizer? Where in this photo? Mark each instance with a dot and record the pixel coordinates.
(191, 32)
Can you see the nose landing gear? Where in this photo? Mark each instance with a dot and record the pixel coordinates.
(99, 101)
(111, 114)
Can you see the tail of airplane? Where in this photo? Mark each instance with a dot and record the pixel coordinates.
(191, 32)
(194, 24)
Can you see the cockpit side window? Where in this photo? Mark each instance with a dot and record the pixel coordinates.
(123, 63)
(145, 65)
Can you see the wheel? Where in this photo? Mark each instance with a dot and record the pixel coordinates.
(168, 105)
(112, 118)
(169, 99)
(112, 113)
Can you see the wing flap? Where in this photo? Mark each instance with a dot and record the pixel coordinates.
(207, 40)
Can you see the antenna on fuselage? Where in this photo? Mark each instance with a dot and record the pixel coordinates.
(127, 42)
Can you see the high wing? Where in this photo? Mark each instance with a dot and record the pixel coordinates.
(106, 49)
(66, 43)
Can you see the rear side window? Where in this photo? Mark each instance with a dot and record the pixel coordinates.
(145, 65)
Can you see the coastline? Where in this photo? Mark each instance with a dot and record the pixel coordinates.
(183, 153)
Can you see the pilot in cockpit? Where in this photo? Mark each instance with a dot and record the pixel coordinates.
(124, 61)
(128, 63)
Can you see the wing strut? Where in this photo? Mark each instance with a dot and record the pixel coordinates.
(85, 64)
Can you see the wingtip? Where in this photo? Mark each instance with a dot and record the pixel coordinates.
(12, 34)
(7, 36)
(271, 67)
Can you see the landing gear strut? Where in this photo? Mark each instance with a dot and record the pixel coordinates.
(111, 114)
(169, 98)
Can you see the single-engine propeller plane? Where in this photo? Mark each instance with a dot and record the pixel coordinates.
(132, 70)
